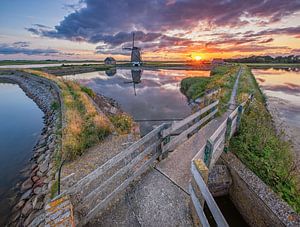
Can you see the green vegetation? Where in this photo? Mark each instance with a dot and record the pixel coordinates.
(122, 122)
(88, 91)
(260, 148)
(54, 105)
(84, 127)
(221, 77)
(268, 59)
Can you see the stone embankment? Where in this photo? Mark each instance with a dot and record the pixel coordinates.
(35, 190)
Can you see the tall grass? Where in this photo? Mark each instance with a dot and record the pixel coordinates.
(84, 127)
(259, 146)
(222, 77)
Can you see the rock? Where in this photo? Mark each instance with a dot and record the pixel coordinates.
(39, 182)
(35, 178)
(37, 220)
(38, 202)
(26, 185)
(39, 174)
(37, 190)
(30, 217)
(41, 158)
(40, 150)
(44, 166)
(15, 216)
(26, 195)
(27, 208)
(19, 205)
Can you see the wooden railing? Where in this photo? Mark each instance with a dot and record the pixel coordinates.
(215, 145)
(93, 193)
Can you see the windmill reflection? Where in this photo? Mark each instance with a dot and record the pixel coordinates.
(136, 75)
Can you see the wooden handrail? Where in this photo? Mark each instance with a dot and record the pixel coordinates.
(177, 125)
(212, 205)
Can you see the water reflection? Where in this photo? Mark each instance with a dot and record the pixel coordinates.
(282, 87)
(111, 72)
(155, 95)
(136, 75)
(20, 125)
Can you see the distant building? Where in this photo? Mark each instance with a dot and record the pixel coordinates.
(110, 61)
(218, 61)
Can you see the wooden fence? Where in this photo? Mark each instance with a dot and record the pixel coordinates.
(215, 145)
(96, 191)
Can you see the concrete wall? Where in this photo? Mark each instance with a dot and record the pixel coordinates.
(256, 202)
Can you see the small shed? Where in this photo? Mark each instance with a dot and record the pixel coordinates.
(110, 61)
(217, 61)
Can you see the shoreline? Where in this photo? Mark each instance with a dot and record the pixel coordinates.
(34, 192)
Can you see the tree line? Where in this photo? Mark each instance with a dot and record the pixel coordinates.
(267, 59)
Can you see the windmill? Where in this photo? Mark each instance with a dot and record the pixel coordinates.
(136, 58)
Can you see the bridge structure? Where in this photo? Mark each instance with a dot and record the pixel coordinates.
(160, 179)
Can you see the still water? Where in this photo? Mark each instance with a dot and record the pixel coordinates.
(282, 88)
(21, 123)
(150, 96)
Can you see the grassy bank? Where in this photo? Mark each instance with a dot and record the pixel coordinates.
(221, 77)
(273, 65)
(84, 127)
(260, 148)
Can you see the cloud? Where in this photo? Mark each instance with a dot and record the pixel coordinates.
(111, 22)
(22, 48)
(293, 31)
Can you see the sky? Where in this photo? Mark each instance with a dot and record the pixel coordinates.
(164, 29)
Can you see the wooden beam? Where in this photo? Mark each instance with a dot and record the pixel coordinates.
(199, 210)
(215, 135)
(110, 163)
(177, 125)
(104, 203)
(118, 173)
(183, 136)
(211, 203)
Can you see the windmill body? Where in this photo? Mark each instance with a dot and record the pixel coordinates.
(136, 58)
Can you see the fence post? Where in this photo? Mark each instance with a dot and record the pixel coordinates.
(209, 147)
(239, 116)
(228, 133)
(164, 141)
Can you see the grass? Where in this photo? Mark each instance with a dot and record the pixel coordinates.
(273, 65)
(259, 146)
(122, 122)
(84, 127)
(221, 77)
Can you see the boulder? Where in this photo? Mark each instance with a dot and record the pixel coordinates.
(27, 208)
(26, 185)
(26, 195)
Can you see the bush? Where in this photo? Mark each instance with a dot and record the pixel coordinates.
(122, 122)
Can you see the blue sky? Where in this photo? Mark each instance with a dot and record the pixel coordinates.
(165, 29)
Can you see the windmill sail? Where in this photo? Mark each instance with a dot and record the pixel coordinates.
(136, 58)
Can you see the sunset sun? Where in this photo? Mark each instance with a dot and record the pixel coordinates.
(198, 58)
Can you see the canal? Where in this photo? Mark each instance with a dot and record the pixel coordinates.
(21, 122)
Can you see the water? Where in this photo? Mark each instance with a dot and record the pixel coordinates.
(282, 88)
(20, 125)
(27, 66)
(150, 96)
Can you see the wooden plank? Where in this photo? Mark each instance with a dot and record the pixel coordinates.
(177, 125)
(183, 136)
(110, 163)
(103, 204)
(198, 207)
(212, 205)
(233, 113)
(201, 99)
(219, 141)
(120, 172)
(215, 135)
